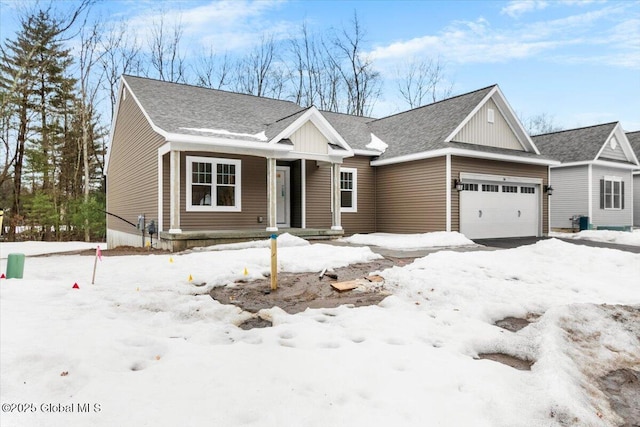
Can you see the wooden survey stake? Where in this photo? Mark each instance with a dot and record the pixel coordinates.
(274, 262)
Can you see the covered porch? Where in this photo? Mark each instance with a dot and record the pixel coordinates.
(193, 239)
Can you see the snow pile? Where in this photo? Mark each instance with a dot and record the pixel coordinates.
(410, 241)
(150, 347)
(260, 136)
(284, 240)
(607, 236)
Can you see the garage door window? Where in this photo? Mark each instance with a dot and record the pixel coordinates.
(528, 190)
(509, 188)
(490, 188)
(469, 187)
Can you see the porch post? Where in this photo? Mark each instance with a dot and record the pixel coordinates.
(272, 212)
(335, 196)
(174, 188)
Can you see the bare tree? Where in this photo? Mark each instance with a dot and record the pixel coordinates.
(120, 55)
(166, 59)
(539, 124)
(362, 81)
(420, 82)
(212, 71)
(258, 74)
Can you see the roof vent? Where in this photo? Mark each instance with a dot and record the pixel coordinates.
(490, 115)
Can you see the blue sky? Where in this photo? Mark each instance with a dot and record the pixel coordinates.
(577, 61)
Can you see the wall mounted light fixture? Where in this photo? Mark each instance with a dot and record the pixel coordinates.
(458, 185)
(548, 189)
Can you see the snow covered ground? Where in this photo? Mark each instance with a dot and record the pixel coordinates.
(146, 346)
(608, 236)
(409, 241)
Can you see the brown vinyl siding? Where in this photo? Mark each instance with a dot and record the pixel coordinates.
(363, 221)
(132, 177)
(493, 167)
(411, 196)
(254, 197)
(318, 195)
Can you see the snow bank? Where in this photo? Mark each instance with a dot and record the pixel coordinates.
(284, 240)
(41, 248)
(410, 241)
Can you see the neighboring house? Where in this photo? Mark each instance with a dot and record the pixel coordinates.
(634, 140)
(209, 165)
(595, 177)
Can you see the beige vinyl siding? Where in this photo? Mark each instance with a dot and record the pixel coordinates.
(363, 221)
(479, 131)
(609, 153)
(411, 196)
(493, 167)
(308, 139)
(318, 195)
(254, 197)
(132, 177)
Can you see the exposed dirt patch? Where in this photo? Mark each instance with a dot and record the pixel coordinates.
(514, 324)
(506, 359)
(298, 291)
(622, 387)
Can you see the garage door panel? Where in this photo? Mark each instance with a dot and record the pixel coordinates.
(510, 212)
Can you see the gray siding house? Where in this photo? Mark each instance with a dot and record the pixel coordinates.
(595, 178)
(210, 166)
(634, 140)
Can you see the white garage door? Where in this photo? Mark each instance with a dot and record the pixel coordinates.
(499, 209)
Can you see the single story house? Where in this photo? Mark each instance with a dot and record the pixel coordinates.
(595, 178)
(209, 166)
(634, 140)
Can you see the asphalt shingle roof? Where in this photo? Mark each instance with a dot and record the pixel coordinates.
(174, 107)
(634, 140)
(574, 145)
(180, 108)
(425, 128)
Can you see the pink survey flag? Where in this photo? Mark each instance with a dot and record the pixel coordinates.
(99, 253)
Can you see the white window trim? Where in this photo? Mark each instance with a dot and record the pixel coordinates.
(354, 197)
(214, 162)
(613, 179)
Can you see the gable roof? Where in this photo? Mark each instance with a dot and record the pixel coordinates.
(578, 145)
(185, 113)
(191, 110)
(425, 128)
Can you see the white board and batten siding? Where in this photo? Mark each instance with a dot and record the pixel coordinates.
(489, 128)
(308, 139)
(570, 195)
(636, 200)
(611, 217)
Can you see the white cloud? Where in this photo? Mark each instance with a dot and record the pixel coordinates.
(516, 8)
(608, 35)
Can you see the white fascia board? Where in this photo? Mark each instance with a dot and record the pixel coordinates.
(295, 155)
(315, 116)
(597, 163)
(264, 150)
(211, 143)
(464, 153)
(411, 157)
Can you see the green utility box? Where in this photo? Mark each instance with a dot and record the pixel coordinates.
(15, 266)
(584, 223)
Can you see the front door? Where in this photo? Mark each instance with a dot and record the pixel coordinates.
(283, 200)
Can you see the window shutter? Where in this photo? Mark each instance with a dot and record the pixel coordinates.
(602, 194)
(622, 194)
